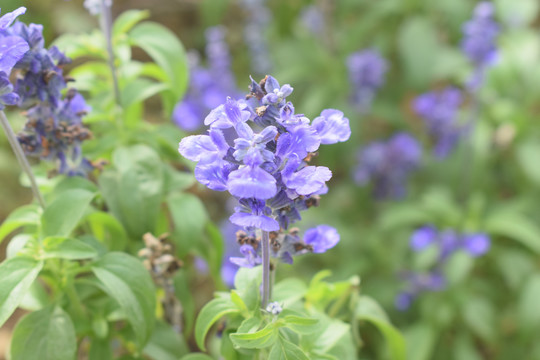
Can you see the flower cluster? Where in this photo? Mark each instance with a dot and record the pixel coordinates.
(267, 171)
(366, 73)
(12, 49)
(447, 243)
(479, 42)
(208, 86)
(439, 110)
(258, 19)
(54, 129)
(387, 165)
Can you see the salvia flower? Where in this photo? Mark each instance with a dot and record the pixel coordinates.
(440, 110)
(209, 85)
(265, 166)
(54, 129)
(12, 47)
(447, 242)
(366, 75)
(387, 165)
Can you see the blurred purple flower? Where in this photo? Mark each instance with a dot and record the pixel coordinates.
(439, 110)
(366, 74)
(416, 284)
(257, 20)
(321, 238)
(387, 165)
(313, 19)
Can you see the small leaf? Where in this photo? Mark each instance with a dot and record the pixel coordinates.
(189, 217)
(516, 227)
(528, 314)
(47, 334)
(25, 215)
(66, 248)
(127, 20)
(479, 315)
(65, 212)
(257, 340)
(367, 309)
(167, 51)
(139, 90)
(300, 324)
(286, 350)
(165, 343)
(289, 291)
(129, 283)
(421, 339)
(17, 276)
(197, 356)
(210, 313)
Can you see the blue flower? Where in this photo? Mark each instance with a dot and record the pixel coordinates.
(250, 258)
(423, 237)
(439, 109)
(264, 160)
(12, 47)
(7, 96)
(476, 244)
(366, 74)
(388, 164)
(321, 238)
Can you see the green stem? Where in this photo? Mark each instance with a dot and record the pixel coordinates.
(265, 243)
(19, 154)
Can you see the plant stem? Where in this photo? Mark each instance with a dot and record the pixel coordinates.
(19, 154)
(106, 28)
(265, 243)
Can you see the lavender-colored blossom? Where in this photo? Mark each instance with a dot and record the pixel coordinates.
(447, 243)
(7, 19)
(321, 238)
(258, 18)
(439, 110)
(250, 258)
(7, 96)
(416, 284)
(266, 166)
(366, 74)
(209, 86)
(313, 19)
(480, 34)
(387, 165)
(12, 47)
(476, 244)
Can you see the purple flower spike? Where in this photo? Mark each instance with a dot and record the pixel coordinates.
(321, 238)
(366, 72)
(476, 244)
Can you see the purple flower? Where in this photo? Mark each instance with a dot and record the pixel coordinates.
(423, 237)
(366, 74)
(7, 19)
(257, 20)
(7, 96)
(388, 164)
(416, 284)
(264, 163)
(250, 258)
(440, 113)
(476, 244)
(480, 34)
(321, 238)
(12, 47)
(313, 19)
(332, 126)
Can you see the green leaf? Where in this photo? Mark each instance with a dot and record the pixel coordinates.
(516, 227)
(65, 212)
(47, 334)
(479, 315)
(257, 340)
(127, 20)
(185, 295)
(100, 349)
(527, 153)
(139, 90)
(133, 191)
(210, 313)
(66, 248)
(528, 314)
(301, 324)
(107, 229)
(289, 291)
(368, 310)
(421, 339)
(286, 350)
(167, 51)
(165, 343)
(17, 276)
(25, 215)
(197, 356)
(129, 283)
(189, 217)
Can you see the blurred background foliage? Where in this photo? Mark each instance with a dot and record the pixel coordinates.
(490, 183)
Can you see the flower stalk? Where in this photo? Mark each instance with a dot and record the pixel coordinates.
(106, 28)
(265, 243)
(19, 154)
